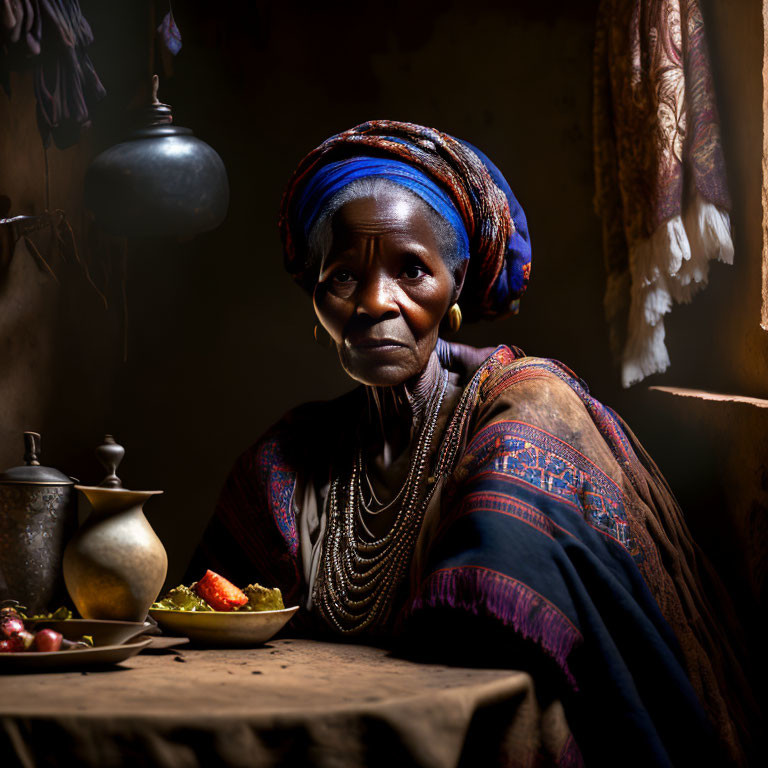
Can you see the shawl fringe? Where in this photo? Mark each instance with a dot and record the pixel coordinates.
(487, 593)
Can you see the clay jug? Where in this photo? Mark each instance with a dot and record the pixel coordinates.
(115, 565)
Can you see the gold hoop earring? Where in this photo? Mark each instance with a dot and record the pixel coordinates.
(322, 337)
(454, 318)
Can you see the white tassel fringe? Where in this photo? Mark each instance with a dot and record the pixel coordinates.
(670, 266)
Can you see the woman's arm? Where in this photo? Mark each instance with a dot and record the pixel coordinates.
(251, 536)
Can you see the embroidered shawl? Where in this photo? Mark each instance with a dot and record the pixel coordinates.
(555, 527)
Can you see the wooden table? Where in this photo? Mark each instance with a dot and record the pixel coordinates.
(290, 702)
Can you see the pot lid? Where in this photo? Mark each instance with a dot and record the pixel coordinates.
(32, 472)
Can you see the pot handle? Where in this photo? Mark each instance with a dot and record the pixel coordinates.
(32, 449)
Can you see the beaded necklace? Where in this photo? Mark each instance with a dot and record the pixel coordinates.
(374, 506)
(359, 574)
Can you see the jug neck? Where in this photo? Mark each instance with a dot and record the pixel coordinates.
(111, 500)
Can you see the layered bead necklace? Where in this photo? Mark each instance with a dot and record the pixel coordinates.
(359, 573)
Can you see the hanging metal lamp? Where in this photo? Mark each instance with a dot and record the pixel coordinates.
(159, 181)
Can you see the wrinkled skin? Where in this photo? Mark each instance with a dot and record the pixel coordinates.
(384, 289)
(382, 293)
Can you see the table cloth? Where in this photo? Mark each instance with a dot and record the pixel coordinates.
(291, 702)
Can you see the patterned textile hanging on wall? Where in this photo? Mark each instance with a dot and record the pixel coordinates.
(660, 173)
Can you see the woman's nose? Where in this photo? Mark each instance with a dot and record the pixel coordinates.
(376, 297)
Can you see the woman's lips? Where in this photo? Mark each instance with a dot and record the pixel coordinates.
(375, 345)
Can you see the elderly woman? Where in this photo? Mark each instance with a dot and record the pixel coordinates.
(477, 499)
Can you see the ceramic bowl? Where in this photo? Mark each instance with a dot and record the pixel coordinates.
(224, 628)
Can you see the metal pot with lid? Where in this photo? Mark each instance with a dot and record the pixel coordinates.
(37, 517)
(159, 181)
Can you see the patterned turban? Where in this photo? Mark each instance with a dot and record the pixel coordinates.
(499, 248)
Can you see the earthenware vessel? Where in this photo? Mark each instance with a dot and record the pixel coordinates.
(37, 516)
(115, 565)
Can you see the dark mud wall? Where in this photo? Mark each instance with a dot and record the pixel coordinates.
(219, 339)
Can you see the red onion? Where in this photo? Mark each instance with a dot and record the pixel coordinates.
(21, 641)
(10, 625)
(47, 640)
(27, 639)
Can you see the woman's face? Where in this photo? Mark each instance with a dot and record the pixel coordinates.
(383, 288)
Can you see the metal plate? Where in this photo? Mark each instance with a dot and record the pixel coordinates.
(36, 661)
(102, 631)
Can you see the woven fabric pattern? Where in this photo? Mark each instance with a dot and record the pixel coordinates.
(500, 252)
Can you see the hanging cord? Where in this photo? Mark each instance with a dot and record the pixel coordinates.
(23, 226)
(33, 249)
(124, 289)
(64, 222)
(47, 180)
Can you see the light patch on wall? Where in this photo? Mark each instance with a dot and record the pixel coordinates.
(714, 396)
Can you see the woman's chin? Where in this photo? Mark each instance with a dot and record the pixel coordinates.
(384, 376)
(385, 366)
(377, 373)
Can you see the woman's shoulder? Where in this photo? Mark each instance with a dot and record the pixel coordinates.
(546, 396)
(526, 381)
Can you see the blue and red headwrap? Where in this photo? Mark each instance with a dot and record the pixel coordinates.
(455, 179)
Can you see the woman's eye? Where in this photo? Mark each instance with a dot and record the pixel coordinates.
(414, 271)
(342, 276)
